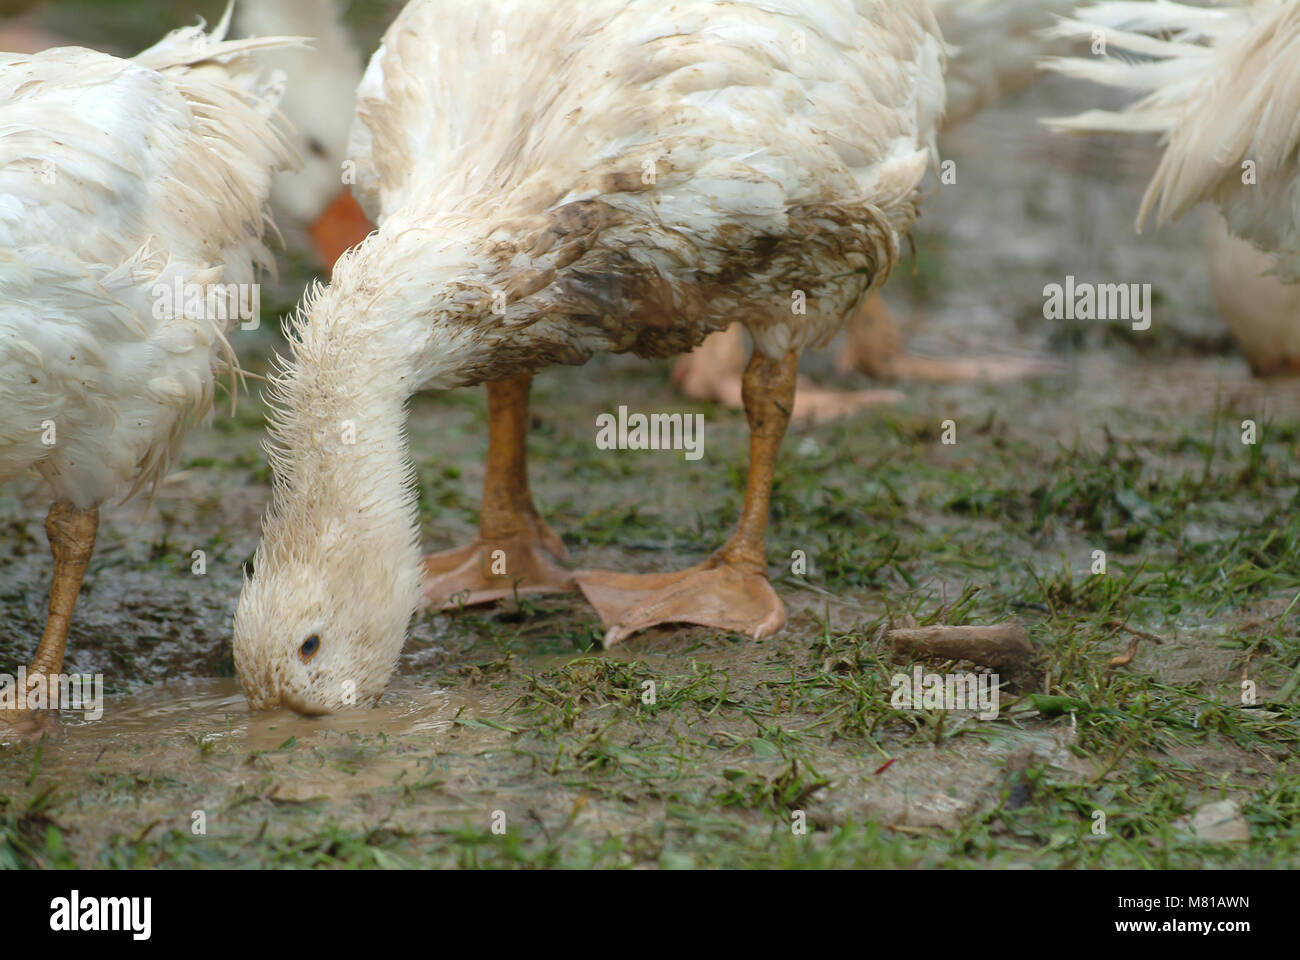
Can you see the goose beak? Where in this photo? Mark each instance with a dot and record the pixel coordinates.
(300, 706)
(340, 228)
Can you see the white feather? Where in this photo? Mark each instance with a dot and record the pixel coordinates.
(1224, 90)
(115, 176)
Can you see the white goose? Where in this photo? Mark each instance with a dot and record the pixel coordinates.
(119, 178)
(318, 104)
(688, 165)
(1222, 85)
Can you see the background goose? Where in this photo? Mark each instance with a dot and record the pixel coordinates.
(690, 165)
(119, 179)
(318, 104)
(1222, 86)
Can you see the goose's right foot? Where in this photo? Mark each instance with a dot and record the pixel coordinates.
(730, 591)
(718, 594)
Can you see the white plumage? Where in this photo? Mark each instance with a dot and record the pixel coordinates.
(1223, 87)
(550, 181)
(117, 176)
(120, 179)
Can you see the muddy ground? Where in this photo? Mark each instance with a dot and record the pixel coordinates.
(512, 718)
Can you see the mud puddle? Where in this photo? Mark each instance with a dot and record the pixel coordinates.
(214, 709)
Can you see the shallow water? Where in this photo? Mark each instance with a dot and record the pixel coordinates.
(214, 710)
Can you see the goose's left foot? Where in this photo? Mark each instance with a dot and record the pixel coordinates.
(715, 594)
(515, 549)
(488, 570)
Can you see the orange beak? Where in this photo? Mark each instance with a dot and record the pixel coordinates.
(340, 228)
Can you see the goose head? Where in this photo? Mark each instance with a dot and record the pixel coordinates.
(321, 638)
(337, 576)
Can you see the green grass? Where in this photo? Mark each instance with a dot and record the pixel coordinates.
(739, 739)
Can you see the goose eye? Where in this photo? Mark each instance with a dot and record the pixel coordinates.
(309, 648)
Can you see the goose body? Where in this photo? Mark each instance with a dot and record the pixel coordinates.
(689, 165)
(103, 164)
(551, 204)
(120, 179)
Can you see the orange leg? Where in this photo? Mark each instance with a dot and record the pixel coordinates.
(72, 541)
(874, 347)
(714, 372)
(729, 591)
(515, 549)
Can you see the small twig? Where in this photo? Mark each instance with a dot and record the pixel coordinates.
(1125, 658)
(141, 835)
